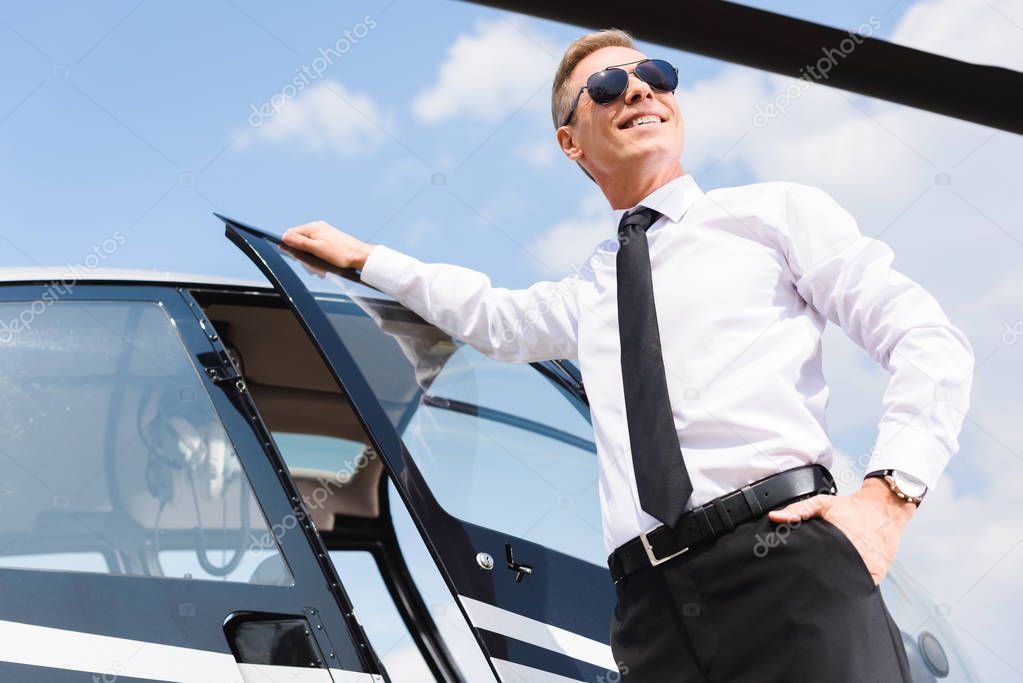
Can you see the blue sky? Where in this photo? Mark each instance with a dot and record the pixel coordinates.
(431, 134)
(153, 94)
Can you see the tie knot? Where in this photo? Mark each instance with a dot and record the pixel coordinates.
(641, 218)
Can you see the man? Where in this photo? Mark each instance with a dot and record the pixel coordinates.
(732, 558)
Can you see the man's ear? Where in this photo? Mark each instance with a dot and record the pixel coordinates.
(568, 143)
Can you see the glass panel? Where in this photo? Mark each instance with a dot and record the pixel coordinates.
(111, 450)
(319, 281)
(379, 617)
(317, 458)
(499, 444)
(317, 452)
(449, 619)
(502, 386)
(82, 562)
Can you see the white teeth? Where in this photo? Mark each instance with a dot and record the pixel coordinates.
(640, 120)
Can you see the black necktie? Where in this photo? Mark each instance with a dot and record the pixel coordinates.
(661, 476)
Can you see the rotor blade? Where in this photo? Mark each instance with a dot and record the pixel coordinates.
(989, 95)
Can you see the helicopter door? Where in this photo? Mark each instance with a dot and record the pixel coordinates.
(494, 461)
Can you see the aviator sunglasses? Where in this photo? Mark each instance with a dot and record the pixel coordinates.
(608, 84)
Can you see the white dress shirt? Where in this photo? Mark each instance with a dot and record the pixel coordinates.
(743, 288)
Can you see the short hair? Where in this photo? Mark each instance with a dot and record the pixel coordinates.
(561, 95)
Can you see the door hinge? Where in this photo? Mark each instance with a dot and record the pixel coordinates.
(226, 375)
(217, 362)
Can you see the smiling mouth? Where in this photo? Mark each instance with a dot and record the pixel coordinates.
(641, 121)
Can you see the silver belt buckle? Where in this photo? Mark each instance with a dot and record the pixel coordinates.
(654, 560)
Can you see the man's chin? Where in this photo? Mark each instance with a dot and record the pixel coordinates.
(642, 151)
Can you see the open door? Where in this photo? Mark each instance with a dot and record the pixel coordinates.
(495, 462)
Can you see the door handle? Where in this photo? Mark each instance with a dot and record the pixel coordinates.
(521, 570)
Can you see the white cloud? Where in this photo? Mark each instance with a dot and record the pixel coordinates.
(540, 154)
(571, 241)
(976, 31)
(880, 160)
(489, 73)
(717, 112)
(325, 118)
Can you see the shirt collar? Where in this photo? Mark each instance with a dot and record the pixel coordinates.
(671, 199)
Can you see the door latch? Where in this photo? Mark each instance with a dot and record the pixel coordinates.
(521, 570)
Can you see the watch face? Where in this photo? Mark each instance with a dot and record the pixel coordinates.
(909, 484)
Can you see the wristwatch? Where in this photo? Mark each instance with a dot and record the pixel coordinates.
(904, 485)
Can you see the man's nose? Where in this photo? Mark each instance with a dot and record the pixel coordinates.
(637, 89)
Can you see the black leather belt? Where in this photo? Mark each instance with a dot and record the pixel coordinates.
(719, 516)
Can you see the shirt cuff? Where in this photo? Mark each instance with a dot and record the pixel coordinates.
(913, 451)
(387, 269)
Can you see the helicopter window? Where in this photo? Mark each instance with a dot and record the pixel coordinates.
(114, 459)
(499, 444)
(380, 617)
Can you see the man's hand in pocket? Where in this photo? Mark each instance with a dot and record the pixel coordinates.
(873, 519)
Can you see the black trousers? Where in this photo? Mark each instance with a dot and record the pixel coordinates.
(765, 603)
